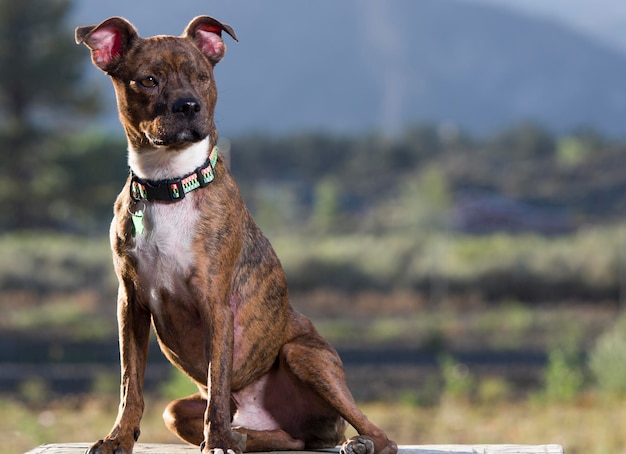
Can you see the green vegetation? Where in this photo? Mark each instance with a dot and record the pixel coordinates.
(62, 287)
(458, 383)
(42, 98)
(608, 360)
(435, 272)
(564, 377)
(585, 266)
(589, 423)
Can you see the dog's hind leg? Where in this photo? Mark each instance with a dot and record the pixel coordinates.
(185, 418)
(312, 361)
(268, 440)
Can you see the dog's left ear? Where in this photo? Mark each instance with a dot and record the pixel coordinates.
(206, 32)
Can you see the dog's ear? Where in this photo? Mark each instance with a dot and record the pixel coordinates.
(108, 41)
(206, 33)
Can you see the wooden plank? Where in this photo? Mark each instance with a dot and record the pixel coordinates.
(158, 448)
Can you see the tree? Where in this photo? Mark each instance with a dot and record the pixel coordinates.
(523, 141)
(41, 98)
(326, 204)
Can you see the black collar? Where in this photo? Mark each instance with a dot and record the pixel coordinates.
(174, 189)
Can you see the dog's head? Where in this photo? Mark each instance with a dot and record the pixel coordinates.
(165, 88)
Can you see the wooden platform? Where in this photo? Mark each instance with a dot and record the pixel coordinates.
(157, 448)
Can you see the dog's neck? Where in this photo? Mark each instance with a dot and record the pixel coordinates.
(164, 164)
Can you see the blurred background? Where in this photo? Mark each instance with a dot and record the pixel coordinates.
(443, 180)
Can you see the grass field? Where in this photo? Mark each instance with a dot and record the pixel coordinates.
(590, 425)
(440, 293)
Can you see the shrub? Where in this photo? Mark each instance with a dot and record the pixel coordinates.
(458, 382)
(563, 376)
(607, 360)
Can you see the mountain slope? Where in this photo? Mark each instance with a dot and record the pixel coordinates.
(360, 64)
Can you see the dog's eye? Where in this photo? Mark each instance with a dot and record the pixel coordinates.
(148, 82)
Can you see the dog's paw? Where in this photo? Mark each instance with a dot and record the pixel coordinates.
(110, 446)
(358, 445)
(217, 450)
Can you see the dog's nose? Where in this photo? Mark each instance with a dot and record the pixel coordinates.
(186, 106)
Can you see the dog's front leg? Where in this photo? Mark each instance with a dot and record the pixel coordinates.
(134, 335)
(218, 437)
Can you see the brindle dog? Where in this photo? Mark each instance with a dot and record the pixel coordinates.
(191, 261)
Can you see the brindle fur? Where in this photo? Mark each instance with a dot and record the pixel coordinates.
(205, 277)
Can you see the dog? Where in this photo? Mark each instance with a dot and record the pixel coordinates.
(192, 263)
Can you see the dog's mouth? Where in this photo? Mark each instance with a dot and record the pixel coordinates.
(180, 138)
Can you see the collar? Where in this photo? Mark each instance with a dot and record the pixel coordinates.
(174, 189)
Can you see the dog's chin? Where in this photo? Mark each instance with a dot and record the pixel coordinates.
(180, 139)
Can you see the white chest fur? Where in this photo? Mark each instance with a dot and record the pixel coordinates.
(161, 164)
(164, 249)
